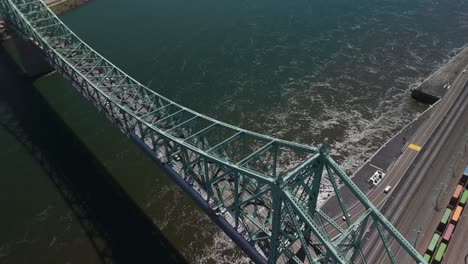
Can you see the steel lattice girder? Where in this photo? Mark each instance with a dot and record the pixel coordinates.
(268, 187)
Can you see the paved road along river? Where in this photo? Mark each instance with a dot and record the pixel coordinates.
(307, 71)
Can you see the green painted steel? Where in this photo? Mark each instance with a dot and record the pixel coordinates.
(433, 244)
(464, 197)
(446, 216)
(266, 188)
(440, 252)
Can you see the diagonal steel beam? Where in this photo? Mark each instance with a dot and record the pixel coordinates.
(302, 213)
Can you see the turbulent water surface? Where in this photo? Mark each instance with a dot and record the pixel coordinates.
(336, 72)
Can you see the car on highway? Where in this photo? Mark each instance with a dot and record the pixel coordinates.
(344, 218)
(377, 177)
(387, 189)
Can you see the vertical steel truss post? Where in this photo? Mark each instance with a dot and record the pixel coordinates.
(267, 189)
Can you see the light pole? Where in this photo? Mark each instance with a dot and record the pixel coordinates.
(455, 164)
(406, 134)
(417, 236)
(437, 199)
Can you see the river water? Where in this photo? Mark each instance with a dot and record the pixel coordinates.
(336, 72)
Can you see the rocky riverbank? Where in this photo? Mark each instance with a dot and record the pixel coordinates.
(61, 6)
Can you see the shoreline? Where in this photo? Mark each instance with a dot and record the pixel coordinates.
(433, 88)
(62, 6)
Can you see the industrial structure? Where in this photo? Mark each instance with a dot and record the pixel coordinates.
(261, 190)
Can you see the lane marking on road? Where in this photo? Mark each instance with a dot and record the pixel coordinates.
(459, 92)
(375, 167)
(375, 196)
(414, 147)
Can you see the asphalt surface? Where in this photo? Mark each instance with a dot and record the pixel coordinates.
(419, 176)
(396, 159)
(384, 159)
(433, 86)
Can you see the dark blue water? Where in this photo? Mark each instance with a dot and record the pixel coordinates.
(338, 72)
(308, 71)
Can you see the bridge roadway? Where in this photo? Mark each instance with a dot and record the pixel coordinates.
(417, 176)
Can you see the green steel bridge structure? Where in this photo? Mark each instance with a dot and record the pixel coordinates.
(262, 191)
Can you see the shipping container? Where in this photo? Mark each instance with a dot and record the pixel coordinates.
(440, 253)
(433, 244)
(445, 219)
(446, 216)
(457, 192)
(427, 258)
(448, 233)
(456, 214)
(464, 198)
(464, 178)
(456, 195)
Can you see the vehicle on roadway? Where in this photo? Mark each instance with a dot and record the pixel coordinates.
(177, 157)
(377, 177)
(220, 211)
(344, 218)
(387, 189)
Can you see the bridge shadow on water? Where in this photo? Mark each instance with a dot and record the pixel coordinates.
(116, 226)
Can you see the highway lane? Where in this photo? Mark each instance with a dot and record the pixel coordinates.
(402, 174)
(420, 210)
(403, 164)
(448, 111)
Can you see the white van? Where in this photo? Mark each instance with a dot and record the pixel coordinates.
(377, 177)
(387, 189)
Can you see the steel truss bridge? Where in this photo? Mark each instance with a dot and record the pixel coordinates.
(264, 190)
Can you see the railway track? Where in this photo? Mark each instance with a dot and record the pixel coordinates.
(406, 190)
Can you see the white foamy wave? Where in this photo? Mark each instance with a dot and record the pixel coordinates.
(222, 250)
